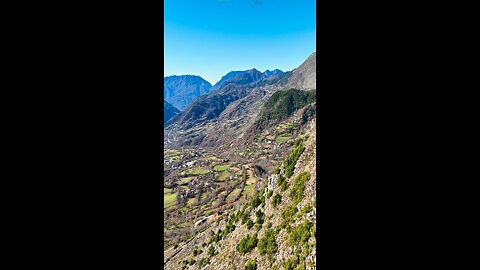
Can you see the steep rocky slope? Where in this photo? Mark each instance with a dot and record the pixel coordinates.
(304, 77)
(275, 230)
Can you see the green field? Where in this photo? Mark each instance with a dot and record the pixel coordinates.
(185, 180)
(282, 138)
(197, 170)
(169, 199)
(191, 201)
(167, 190)
(233, 194)
(223, 175)
(220, 168)
(170, 152)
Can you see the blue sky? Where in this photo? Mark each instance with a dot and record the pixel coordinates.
(209, 38)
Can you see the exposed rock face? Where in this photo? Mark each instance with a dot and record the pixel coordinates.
(181, 91)
(305, 76)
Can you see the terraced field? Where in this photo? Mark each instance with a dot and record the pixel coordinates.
(196, 171)
(282, 138)
(169, 199)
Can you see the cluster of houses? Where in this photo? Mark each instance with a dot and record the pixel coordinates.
(189, 192)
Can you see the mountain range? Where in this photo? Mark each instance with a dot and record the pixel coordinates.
(181, 91)
(231, 113)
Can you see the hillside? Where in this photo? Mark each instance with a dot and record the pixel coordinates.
(305, 76)
(181, 91)
(169, 111)
(274, 229)
(228, 116)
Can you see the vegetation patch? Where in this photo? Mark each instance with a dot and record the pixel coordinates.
(292, 157)
(299, 186)
(169, 200)
(300, 234)
(197, 170)
(251, 265)
(282, 138)
(267, 244)
(220, 168)
(247, 244)
(277, 199)
(233, 195)
(223, 175)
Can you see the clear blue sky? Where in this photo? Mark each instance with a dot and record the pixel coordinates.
(209, 38)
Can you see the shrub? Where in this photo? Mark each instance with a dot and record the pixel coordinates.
(276, 170)
(204, 261)
(249, 224)
(258, 227)
(282, 183)
(300, 234)
(298, 186)
(306, 209)
(267, 245)
(251, 265)
(269, 225)
(230, 227)
(211, 251)
(290, 263)
(245, 216)
(277, 199)
(192, 261)
(247, 244)
(292, 157)
(176, 246)
(269, 194)
(289, 213)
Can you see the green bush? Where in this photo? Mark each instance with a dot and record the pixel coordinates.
(249, 224)
(211, 251)
(260, 217)
(292, 157)
(192, 261)
(258, 227)
(300, 234)
(267, 245)
(290, 263)
(299, 186)
(277, 199)
(245, 216)
(269, 194)
(289, 213)
(247, 244)
(251, 265)
(268, 225)
(306, 209)
(282, 183)
(276, 170)
(204, 261)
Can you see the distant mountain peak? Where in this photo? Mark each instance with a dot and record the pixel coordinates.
(182, 90)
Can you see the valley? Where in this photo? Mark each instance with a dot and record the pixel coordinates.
(240, 174)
